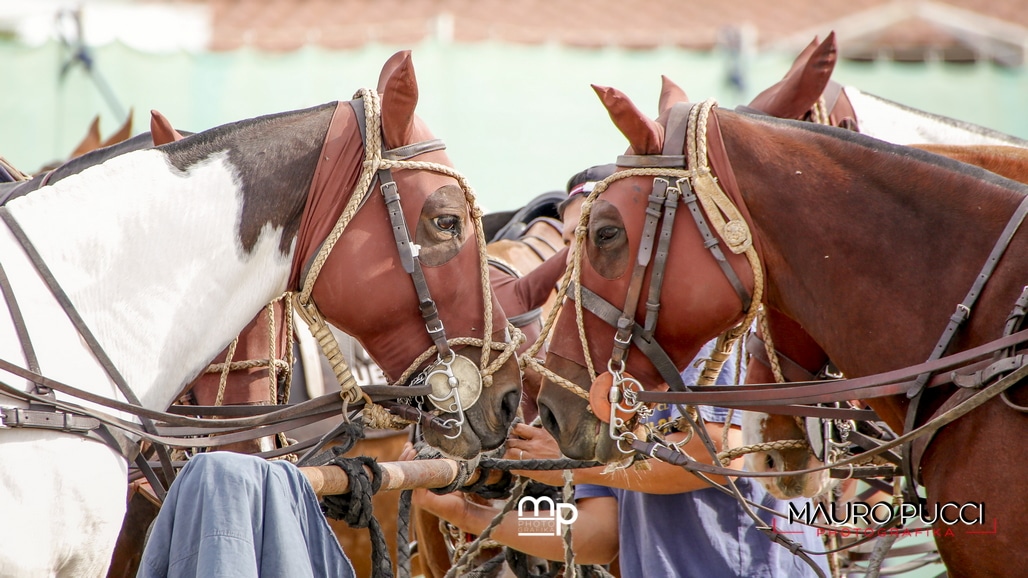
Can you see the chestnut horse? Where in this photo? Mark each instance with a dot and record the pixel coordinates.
(158, 283)
(865, 244)
(808, 93)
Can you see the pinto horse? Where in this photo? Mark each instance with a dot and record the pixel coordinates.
(159, 283)
(866, 245)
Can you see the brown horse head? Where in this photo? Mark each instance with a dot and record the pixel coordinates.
(613, 229)
(372, 296)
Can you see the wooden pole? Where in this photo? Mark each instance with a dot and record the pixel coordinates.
(437, 473)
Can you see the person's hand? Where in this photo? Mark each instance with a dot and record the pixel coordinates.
(533, 443)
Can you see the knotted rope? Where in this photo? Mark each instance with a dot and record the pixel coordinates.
(356, 507)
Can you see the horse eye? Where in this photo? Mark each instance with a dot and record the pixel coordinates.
(605, 235)
(448, 223)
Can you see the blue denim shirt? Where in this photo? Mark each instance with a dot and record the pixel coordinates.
(231, 515)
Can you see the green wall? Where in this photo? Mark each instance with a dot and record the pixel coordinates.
(518, 120)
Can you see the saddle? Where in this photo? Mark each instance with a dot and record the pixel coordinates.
(513, 224)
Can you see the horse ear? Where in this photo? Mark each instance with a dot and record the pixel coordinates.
(91, 141)
(644, 135)
(161, 130)
(796, 94)
(670, 94)
(122, 133)
(390, 67)
(399, 98)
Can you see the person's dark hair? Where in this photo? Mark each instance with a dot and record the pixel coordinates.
(593, 174)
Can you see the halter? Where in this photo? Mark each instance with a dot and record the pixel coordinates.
(456, 381)
(694, 185)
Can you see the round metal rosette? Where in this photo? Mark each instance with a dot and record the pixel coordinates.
(466, 382)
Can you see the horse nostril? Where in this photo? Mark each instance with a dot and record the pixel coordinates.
(769, 461)
(549, 421)
(509, 406)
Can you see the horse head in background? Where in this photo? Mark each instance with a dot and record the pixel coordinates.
(808, 93)
(910, 232)
(159, 283)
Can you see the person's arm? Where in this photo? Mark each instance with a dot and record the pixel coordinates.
(528, 442)
(594, 533)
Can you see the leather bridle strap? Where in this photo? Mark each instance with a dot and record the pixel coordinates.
(606, 311)
(407, 248)
(21, 329)
(892, 382)
(412, 264)
(960, 315)
(80, 326)
(626, 321)
(660, 259)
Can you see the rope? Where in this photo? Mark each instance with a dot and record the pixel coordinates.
(769, 346)
(725, 457)
(273, 362)
(403, 554)
(463, 564)
(819, 112)
(569, 552)
(223, 382)
(356, 507)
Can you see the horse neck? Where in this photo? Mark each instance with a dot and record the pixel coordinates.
(899, 124)
(890, 242)
(157, 272)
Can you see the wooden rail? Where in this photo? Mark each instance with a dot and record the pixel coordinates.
(437, 473)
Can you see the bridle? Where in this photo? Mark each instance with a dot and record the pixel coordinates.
(687, 179)
(456, 381)
(628, 399)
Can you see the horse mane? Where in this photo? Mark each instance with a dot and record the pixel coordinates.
(872, 143)
(248, 135)
(246, 140)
